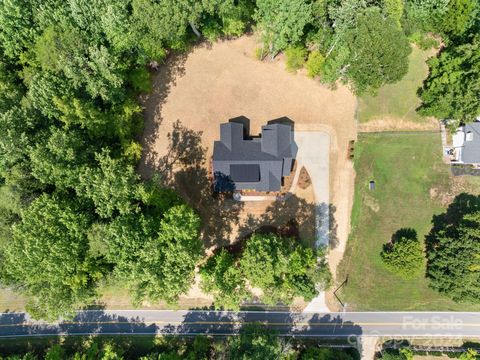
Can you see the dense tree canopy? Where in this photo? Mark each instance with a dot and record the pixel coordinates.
(453, 248)
(224, 280)
(49, 256)
(112, 186)
(359, 42)
(282, 22)
(379, 52)
(253, 342)
(70, 74)
(452, 88)
(157, 260)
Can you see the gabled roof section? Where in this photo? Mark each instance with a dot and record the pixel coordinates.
(274, 144)
(471, 145)
(254, 163)
(277, 139)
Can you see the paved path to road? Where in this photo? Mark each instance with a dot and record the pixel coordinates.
(158, 322)
(314, 153)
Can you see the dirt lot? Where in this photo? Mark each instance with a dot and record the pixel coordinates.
(196, 92)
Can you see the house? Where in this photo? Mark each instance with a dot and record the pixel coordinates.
(241, 162)
(466, 145)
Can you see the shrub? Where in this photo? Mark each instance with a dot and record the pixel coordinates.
(315, 63)
(260, 53)
(212, 31)
(140, 80)
(403, 255)
(233, 27)
(295, 58)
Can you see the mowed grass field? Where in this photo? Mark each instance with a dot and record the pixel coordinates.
(399, 100)
(407, 169)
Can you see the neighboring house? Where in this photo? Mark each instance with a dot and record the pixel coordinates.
(466, 145)
(241, 162)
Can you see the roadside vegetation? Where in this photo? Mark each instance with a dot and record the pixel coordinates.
(288, 270)
(386, 253)
(409, 354)
(254, 342)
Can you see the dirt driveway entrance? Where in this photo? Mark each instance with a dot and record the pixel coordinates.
(211, 84)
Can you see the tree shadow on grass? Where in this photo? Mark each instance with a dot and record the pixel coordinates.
(218, 212)
(185, 168)
(163, 80)
(295, 217)
(294, 213)
(400, 235)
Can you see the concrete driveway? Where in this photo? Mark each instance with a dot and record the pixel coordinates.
(313, 154)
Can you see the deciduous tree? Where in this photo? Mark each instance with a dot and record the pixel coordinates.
(282, 23)
(453, 246)
(403, 255)
(452, 88)
(112, 186)
(378, 52)
(60, 157)
(287, 269)
(156, 259)
(47, 257)
(222, 277)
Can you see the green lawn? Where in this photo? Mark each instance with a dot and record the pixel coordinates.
(405, 168)
(399, 100)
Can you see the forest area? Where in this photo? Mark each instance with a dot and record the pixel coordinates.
(74, 211)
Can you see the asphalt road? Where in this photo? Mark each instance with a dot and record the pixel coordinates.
(155, 322)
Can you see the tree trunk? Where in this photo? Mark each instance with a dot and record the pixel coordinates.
(331, 48)
(194, 28)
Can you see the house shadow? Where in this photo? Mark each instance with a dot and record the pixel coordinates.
(245, 122)
(284, 120)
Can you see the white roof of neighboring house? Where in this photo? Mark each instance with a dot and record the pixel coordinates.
(458, 138)
(467, 143)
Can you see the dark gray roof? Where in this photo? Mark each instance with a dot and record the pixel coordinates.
(254, 163)
(471, 149)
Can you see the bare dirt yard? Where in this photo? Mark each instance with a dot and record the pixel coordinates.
(194, 93)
